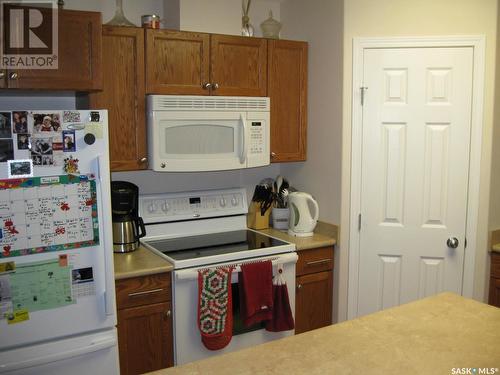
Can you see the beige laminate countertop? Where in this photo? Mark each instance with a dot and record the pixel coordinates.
(324, 235)
(430, 336)
(141, 262)
(496, 248)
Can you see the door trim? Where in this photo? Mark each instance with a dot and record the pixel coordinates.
(477, 42)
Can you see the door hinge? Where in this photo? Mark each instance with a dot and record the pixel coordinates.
(359, 222)
(363, 90)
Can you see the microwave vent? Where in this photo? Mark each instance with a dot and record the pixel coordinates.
(217, 103)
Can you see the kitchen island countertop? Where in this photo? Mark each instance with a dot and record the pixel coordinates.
(431, 336)
(325, 234)
(141, 262)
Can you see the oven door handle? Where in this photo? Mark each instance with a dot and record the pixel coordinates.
(192, 273)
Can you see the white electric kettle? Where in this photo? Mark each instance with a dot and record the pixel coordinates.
(302, 221)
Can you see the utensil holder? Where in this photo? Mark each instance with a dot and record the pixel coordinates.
(254, 218)
(280, 217)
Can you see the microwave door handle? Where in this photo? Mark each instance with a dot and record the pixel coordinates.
(243, 154)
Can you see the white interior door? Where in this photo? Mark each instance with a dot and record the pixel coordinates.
(415, 166)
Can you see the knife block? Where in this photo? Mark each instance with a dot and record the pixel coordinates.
(254, 218)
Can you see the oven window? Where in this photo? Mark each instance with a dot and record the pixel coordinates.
(199, 139)
(238, 326)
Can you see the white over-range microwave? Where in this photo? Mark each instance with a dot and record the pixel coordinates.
(207, 133)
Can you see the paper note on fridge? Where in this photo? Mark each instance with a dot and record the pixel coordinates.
(41, 286)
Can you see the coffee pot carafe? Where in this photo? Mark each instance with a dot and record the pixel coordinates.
(128, 226)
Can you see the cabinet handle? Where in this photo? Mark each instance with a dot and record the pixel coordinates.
(321, 261)
(143, 160)
(13, 75)
(215, 86)
(2, 74)
(299, 286)
(207, 86)
(137, 294)
(168, 314)
(273, 155)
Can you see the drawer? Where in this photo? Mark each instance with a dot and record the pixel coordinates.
(143, 290)
(495, 265)
(314, 260)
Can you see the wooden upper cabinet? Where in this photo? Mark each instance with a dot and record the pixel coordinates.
(238, 65)
(123, 95)
(287, 88)
(79, 56)
(177, 62)
(191, 63)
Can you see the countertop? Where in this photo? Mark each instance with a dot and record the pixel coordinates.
(139, 263)
(430, 336)
(325, 234)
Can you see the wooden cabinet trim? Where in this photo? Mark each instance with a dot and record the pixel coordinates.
(495, 265)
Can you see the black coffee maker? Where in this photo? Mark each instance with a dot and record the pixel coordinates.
(128, 227)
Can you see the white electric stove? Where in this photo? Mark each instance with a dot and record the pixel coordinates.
(201, 229)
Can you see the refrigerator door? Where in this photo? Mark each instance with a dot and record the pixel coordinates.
(88, 277)
(82, 355)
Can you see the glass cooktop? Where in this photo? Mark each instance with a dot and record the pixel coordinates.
(213, 244)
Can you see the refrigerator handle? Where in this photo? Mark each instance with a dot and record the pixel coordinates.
(109, 281)
(59, 356)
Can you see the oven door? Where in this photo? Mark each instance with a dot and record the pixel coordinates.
(187, 340)
(183, 141)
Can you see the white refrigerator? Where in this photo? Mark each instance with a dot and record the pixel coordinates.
(57, 291)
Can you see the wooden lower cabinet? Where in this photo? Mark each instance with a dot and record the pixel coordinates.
(313, 299)
(314, 289)
(494, 296)
(145, 340)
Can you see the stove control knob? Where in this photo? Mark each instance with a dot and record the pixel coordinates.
(222, 202)
(234, 201)
(152, 207)
(165, 207)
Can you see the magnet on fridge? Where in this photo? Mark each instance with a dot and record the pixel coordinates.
(95, 116)
(69, 144)
(71, 165)
(95, 129)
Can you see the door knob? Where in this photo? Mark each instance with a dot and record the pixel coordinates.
(452, 242)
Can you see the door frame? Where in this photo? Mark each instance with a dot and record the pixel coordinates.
(360, 44)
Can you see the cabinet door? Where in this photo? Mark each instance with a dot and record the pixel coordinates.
(494, 298)
(177, 62)
(123, 96)
(79, 56)
(313, 301)
(145, 338)
(238, 65)
(287, 88)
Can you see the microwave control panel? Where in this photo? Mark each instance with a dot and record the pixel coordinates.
(257, 137)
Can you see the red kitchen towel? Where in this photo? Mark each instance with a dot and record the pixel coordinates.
(282, 319)
(256, 292)
(215, 308)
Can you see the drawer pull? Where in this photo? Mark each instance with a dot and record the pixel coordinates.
(136, 294)
(321, 261)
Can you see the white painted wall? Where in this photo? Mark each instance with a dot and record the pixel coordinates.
(414, 18)
(224, 16)
(494, 220)
(320, 22)
(133, 9)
